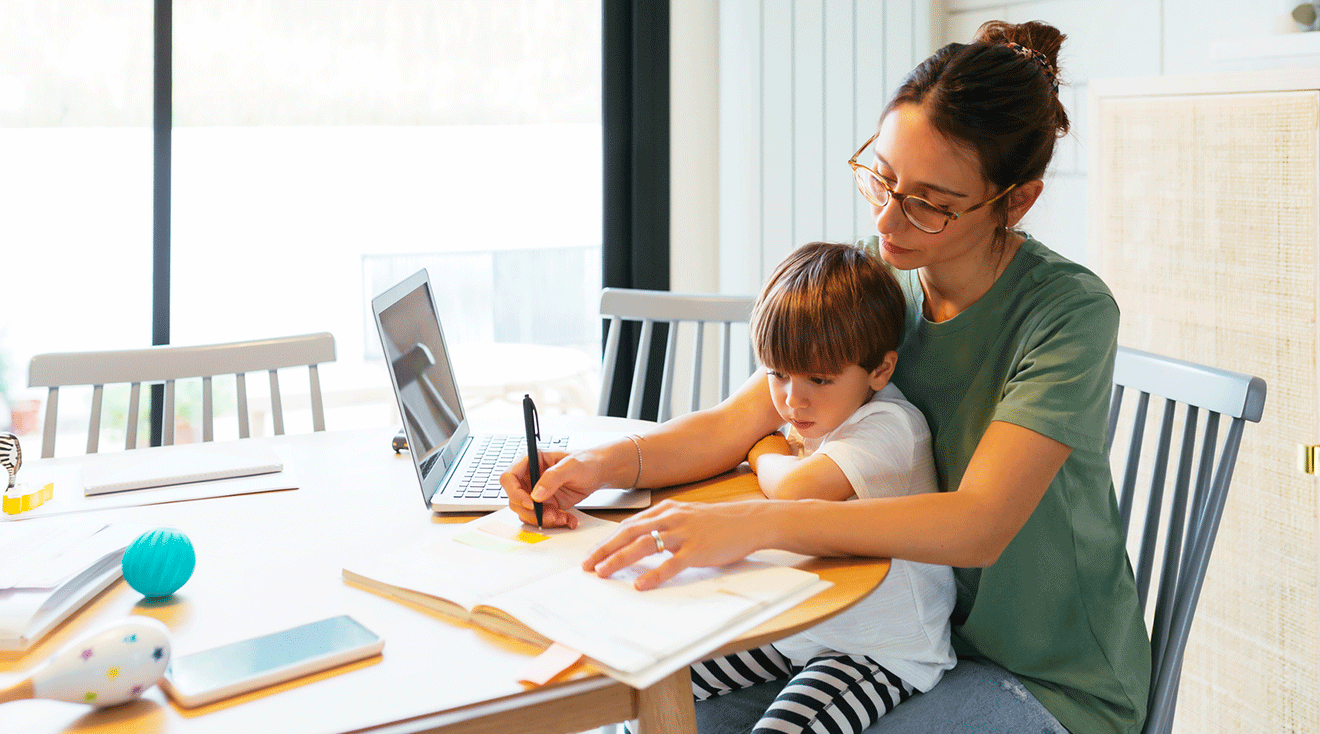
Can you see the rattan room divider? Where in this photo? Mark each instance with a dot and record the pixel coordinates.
(1204, 219)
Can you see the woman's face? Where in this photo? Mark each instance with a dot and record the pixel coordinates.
(915, 159)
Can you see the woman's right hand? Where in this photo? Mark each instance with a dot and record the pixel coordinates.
(696, 534)
(566, 479)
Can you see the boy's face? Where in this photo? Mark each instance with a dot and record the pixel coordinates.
(817, 403)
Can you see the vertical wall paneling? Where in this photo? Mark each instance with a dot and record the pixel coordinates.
(818, 73)
(740, 164)
(840, 130)
(778, 145)
(808, 69)
(870, 91)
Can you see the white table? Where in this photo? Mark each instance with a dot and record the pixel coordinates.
(270, 561)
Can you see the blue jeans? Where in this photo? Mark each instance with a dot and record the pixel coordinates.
(976, 696)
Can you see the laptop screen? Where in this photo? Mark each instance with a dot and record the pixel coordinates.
(422, 377)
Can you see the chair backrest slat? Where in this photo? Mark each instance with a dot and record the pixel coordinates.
(726, 358)
(667, 377)
(1177, 524)
(94, 420)
(1180, 524)
(241, 401)
(611, 357)
(48, 426)
(698, 354)
(318, 407)
(640, 368)
(1205, 474)
(276, 405)
(1133, 462)
(167, 430)
(1115, 407)
(131, 430)
(674, 311)
(167, 364)
(208, 422)
(1155, 504)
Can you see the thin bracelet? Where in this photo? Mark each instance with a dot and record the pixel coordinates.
(634, 438)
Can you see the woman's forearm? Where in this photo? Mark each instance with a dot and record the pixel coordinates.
(698, 445)
(927, 528)
(1002, 485)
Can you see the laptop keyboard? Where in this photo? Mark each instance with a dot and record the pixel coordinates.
(480, 477)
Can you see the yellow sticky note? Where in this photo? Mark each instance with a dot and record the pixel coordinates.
(509, 532)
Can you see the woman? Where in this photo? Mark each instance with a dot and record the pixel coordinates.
(1008, 352)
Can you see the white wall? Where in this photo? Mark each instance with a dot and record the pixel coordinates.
(694, 107)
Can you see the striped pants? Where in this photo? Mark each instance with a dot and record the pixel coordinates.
(833, 694)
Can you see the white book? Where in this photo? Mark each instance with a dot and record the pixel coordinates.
(528, 583)
(164, 466)
(62, 567)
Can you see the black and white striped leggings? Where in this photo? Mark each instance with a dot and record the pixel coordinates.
(833, 694)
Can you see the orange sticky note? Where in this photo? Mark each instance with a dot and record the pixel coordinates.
(544, 667)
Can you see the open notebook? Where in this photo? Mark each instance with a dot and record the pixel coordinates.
(528, 583)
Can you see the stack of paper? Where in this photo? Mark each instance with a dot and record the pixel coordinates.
(51, 570)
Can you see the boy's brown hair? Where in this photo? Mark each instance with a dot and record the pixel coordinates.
(827, 305)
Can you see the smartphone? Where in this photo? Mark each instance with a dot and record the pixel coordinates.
(239, 667)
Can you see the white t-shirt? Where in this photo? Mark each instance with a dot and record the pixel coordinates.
(885, 451)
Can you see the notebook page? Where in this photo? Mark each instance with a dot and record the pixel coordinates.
(470, 563)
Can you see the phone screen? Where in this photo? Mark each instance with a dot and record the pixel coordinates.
(229, 665)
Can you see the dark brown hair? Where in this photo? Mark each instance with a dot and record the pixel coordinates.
(826, 306)
(998, 102)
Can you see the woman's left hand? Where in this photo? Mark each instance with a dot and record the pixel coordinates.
(696, 534)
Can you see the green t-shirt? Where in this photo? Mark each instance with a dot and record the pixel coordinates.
(1059, 608)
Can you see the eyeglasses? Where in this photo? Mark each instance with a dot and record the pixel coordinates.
(924, 215)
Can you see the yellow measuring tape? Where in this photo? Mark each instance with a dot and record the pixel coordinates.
(15, 501)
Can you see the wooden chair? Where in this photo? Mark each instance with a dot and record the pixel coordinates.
(1184, 538)
(166, 364)
(1179, 527)
(652, 307)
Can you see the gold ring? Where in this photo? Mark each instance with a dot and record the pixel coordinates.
(659, 544)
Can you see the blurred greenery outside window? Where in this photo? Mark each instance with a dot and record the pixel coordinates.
(309, 136)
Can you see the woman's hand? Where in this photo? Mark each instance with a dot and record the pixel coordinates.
(696, 533)
(566, 479)
(775, 443)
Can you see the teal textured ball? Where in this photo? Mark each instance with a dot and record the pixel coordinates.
(159, 562)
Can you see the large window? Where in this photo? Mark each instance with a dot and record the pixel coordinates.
(321, 151)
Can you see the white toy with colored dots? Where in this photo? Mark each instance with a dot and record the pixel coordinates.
(112, 666)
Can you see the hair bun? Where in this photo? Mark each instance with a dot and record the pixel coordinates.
(1041, 38)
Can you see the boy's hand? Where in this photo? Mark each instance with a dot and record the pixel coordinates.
(775, 443)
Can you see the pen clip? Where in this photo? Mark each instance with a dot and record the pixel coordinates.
(531, 415)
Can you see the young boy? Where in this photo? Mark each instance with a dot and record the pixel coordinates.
(826, 327)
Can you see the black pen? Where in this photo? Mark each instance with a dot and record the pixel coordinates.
(533, 458)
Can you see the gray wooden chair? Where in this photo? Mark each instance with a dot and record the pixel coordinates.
(166, 364)
(1179, 526)
(652, 307)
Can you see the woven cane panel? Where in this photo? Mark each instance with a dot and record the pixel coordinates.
(1208, 238)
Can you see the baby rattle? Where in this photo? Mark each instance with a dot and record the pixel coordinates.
(106, 668)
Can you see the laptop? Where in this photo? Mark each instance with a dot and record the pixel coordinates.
(458, 469)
